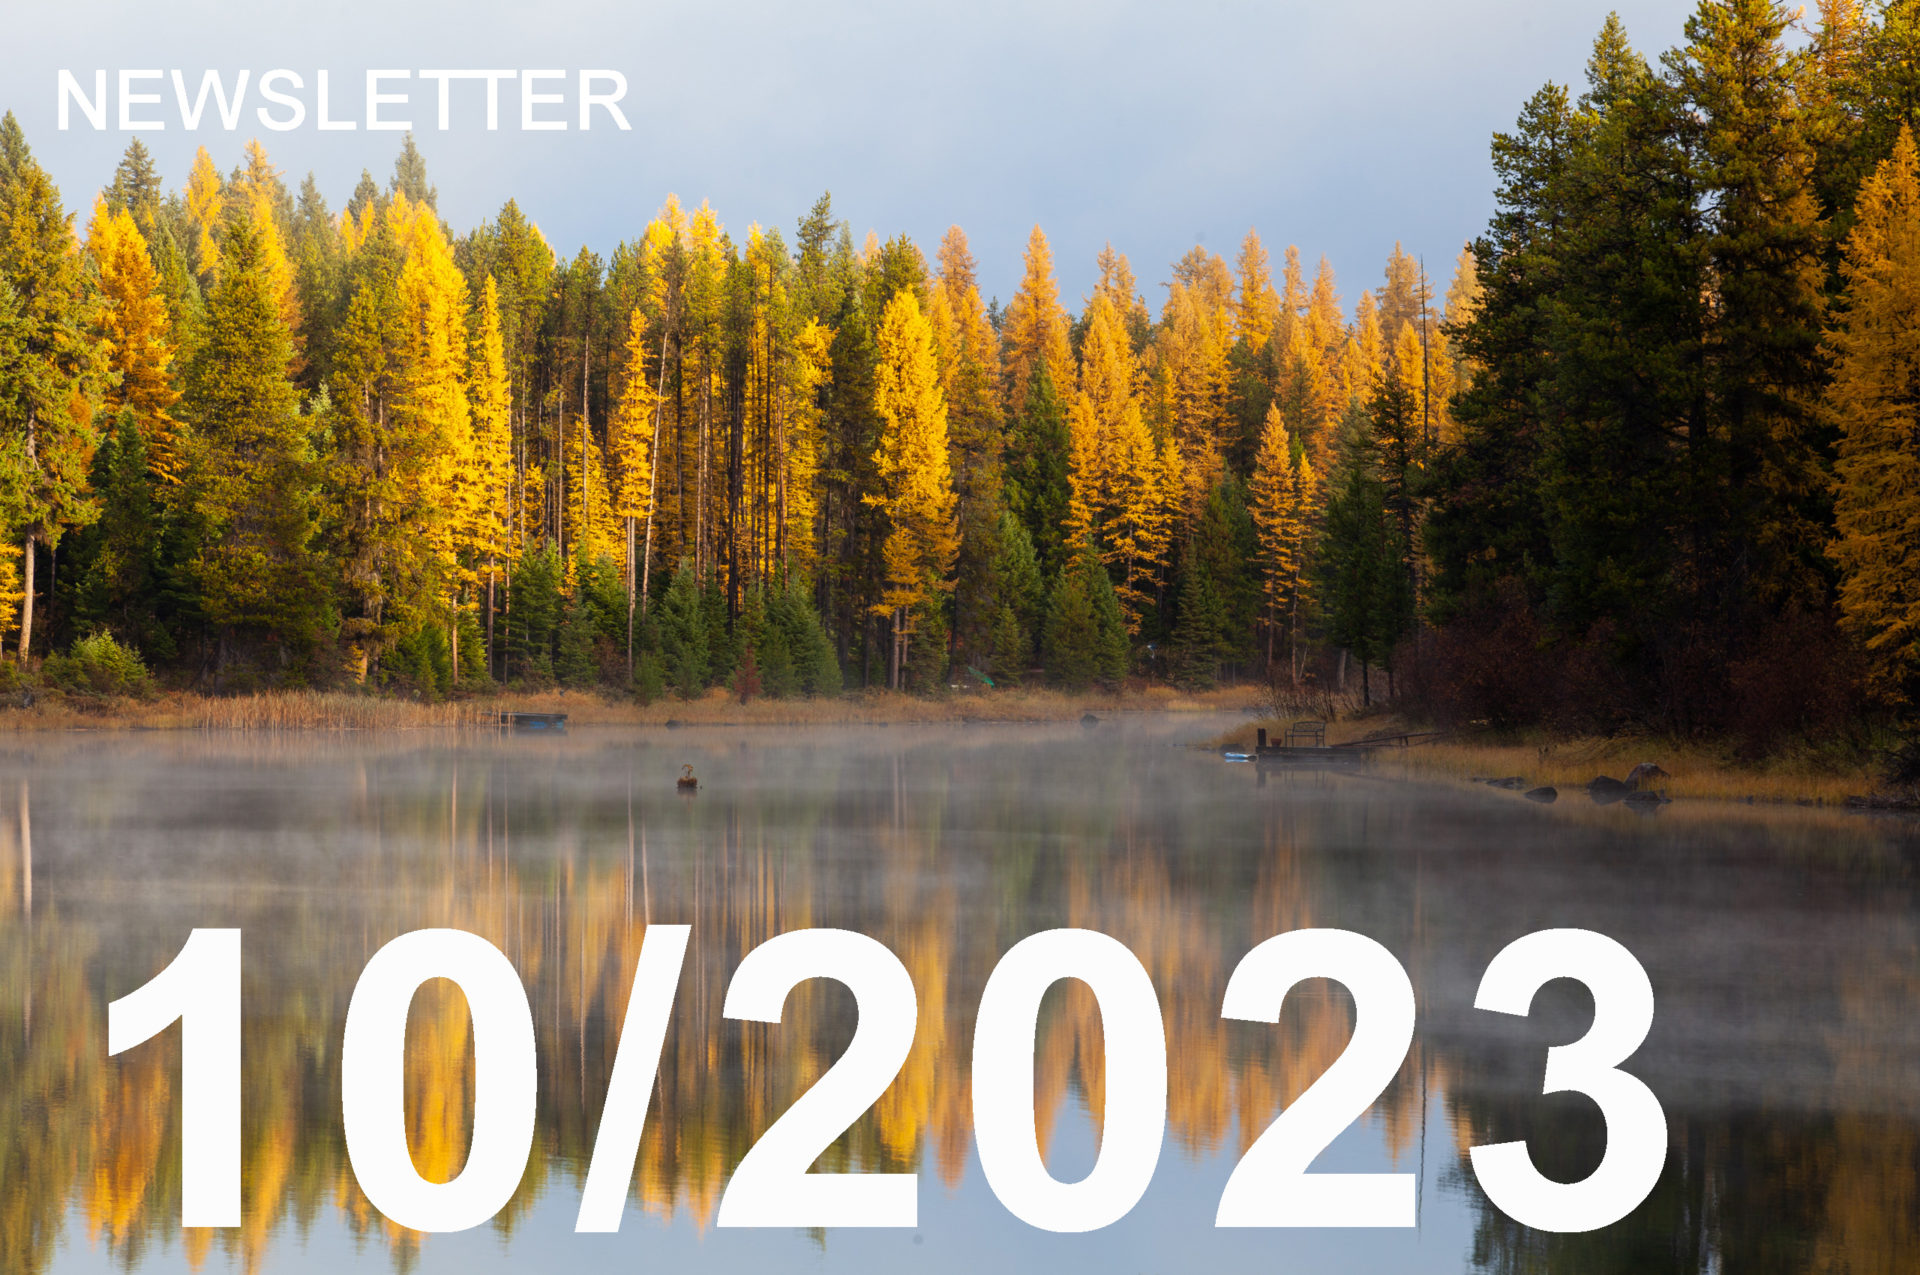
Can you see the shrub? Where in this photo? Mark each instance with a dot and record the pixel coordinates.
(98, 665)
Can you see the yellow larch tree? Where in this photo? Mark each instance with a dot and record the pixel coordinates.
(801, 446)
(630, 445)
(1118, 478)
(488, 485)
(206, 207)
(1035, 327)
(1280, 499)
(132, 319)
(1293, 301)
(1463, 302)
(1191, 383)
(916, 477)
(1120, 288)
(1875, 400)
(1366, 359)
(255, 189)
(432, 441)
(1257, 309)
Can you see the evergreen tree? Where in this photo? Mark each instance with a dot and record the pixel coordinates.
(114, 561)
(1086, 637)
(573, 662)
(1020, 591)
(410, 176)
(683, 633)
(533, 613)
(1038, 457)
(1364, 582)
(135, 188)
(1200, 642)
(250, 483)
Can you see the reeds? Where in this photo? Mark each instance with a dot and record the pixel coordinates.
(1697, 770)
(349, 711)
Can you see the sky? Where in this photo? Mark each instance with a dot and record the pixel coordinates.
(1342, 127)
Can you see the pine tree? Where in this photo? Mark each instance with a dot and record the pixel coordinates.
(683, 633)
(1875, 348)
(135, 188)
(1086, 635)
(115, 559)
(410, 176)
(1039, 460)
(250, 483)
(533, 613)
(1488, 524)
(1363, 558)
(1200, 643)
(1019, 584)
(1752, 159)
(573, 662)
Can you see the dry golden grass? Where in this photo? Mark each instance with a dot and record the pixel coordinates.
(337, 710)
(1697, 771)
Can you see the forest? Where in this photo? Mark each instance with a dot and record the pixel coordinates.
(1649, 459)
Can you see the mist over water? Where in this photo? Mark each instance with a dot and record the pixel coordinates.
(1783, 947)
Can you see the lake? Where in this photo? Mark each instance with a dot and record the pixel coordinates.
(1783, 946)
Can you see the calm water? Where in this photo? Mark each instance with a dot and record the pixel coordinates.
(1784, 950)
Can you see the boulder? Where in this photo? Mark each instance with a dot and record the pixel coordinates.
(1606, 790)
(1545, 796)
(1645, 776)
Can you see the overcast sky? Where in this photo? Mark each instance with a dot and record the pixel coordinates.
(1337, 126)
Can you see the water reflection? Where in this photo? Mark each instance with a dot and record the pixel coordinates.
(1782, 947)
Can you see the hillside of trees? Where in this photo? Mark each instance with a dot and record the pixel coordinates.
(1651, 458)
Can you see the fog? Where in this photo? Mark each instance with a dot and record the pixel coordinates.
(1781, 945)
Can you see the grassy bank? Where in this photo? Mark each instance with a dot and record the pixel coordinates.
(1701, 771)
(336, 710)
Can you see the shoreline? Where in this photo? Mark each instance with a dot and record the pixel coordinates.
(1696, 771)
(337, 710)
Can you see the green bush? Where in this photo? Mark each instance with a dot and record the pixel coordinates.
(98, 665)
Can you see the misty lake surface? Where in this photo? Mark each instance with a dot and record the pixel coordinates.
(1783, 948)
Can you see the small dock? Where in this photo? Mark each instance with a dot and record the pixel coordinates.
(1305, 744)
(534, 723)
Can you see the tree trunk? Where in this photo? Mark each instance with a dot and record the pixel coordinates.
(586, 489)
(653, 474)
(26, 600)
(490, 606)
(893, 674)
(632, 579)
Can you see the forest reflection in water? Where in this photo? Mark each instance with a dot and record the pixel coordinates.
(1784, 949)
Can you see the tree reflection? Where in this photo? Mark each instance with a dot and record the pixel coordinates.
(947, 853)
